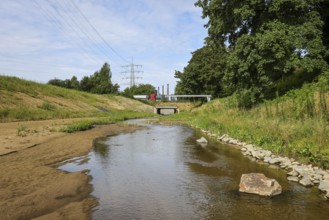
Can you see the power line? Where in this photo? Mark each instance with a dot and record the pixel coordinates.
(76, 26)
(54, 21)
(67, 23)
(100, 36)
(80, 27)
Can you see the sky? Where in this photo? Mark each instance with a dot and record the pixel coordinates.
(46, 39)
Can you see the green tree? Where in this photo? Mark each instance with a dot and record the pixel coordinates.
(141, 89)
(56, 82)
(100, 82)
(273, 45)
(204, 72)
(85, 84)
(74, 83)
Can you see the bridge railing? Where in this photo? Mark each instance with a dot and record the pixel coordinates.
(175, 97)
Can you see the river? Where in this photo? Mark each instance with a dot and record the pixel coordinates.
(160, 172)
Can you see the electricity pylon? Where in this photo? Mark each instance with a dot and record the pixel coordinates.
(133, 71)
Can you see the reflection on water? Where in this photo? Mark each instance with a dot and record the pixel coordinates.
(161, 173)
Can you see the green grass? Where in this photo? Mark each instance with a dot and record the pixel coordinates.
(295, 125)
(110, 118)
(34, 89)
(26, 100)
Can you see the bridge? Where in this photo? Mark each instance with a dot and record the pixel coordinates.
(174, 98)
(165, 110)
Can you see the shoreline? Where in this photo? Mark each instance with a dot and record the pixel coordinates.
(305, 175)
(31, 186)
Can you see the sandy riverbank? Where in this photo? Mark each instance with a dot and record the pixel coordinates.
(30, 184)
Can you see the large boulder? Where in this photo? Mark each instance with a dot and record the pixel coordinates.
(258, 183)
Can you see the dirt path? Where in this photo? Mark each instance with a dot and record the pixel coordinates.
(30, 184)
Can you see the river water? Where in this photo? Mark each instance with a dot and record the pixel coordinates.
(160, 172)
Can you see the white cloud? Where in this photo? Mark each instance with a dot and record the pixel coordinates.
(159, 34)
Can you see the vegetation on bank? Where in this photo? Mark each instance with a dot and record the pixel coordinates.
(295, 125)
(26, 100)
(87, 124)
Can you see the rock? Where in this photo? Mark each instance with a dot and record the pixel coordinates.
(293, 178)
(303, 170)
(267, 159)
(267, 153)
(324, 186)
(327, 196)
(306, 181)
(275, 161)
(293, 173)
(254, 153)
(286, 160)
(317, 177)
(286, 165)
(257, 154)
(258, 183)
(202, 140)
(243, 149)
(249, 146)
(225, 139)
(320, 172)
(223, 136)
(233, 141)
(325, 177)
(316, 181)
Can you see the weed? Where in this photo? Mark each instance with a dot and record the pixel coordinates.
(22, 131)
(78, 126)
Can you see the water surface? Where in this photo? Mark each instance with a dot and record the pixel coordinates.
(159, 172)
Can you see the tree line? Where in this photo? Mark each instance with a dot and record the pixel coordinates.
(100, 82)
(258, 49)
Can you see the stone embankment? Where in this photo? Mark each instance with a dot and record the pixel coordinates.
(306, 175)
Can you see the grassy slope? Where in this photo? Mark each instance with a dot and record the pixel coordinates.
(26, 100)
(296, 125)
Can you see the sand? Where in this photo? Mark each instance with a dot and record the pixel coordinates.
(30, 185)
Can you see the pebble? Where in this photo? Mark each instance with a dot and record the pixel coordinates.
(293, 178)
(306, 181)
(293, 173)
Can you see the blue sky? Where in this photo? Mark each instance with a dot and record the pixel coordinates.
(45, 39)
